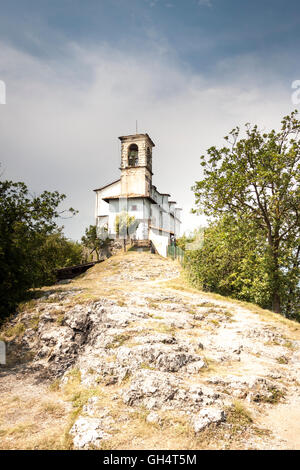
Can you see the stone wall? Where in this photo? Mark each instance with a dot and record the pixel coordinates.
(135, 180)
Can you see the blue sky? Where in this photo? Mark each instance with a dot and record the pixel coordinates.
(79, 73)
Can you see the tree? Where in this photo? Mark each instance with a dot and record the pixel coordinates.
(232, 262)
(55, 251)
(26, 222)
(94, 243)
(125, 226)
(256, 179)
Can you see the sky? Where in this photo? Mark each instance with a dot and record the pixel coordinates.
(78, 74)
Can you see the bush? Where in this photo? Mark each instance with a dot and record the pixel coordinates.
(31, 244)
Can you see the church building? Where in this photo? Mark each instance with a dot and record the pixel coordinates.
(157, 217)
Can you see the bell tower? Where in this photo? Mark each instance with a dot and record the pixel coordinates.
(136, 165)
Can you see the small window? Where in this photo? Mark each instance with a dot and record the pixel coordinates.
(133, 158)
(134, 208)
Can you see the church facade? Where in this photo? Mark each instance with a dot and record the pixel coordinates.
(157, 217)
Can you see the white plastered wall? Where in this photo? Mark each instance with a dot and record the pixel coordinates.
(160, 242)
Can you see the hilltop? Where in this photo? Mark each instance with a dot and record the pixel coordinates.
(129, 356)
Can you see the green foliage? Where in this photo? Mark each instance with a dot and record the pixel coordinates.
(232, 262)
(184, 240)
(191, 241)
(93, 242)
(254, 183)
(55, 251)
(125, 224)
(31, 244)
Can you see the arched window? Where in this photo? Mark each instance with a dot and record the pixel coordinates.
(133, 158)
(149, 159)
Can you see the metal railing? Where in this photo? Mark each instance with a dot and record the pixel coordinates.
(175, 252)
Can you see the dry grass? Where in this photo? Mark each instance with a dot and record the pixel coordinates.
(13, 331)
(34, 419)
(160, 327)
(52, 408)
(118, 341)
(181, 284)
(282, 360)
(34, 322)
(174, 431)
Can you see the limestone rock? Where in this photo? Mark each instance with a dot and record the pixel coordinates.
(153, 418)
(194, 367)
(150, 388)
(87, 433)
(206, 417)
(77, 319)
(172, 362)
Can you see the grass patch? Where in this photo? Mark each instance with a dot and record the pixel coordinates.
(53, 409)
(55, 386)
(75, 375)
(78, 396)
(206, 305)
(282, 360)
(27, 306)
(126, 377)
(60, 319)
(118, 341)
(160, 327)
(274, 396)
(152, 304)
(146, 365)
(34, 322)
(18, 430)
(289, 344)
(211, 364)
(15, 331)
(238, 415)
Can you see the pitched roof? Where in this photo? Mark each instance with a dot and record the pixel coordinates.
(106, 186)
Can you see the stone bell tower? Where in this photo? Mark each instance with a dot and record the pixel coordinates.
(136, 165)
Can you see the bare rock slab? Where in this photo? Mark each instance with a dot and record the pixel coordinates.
(87, 433)
(206, 417)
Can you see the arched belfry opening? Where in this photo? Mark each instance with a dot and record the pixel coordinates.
(133, 155)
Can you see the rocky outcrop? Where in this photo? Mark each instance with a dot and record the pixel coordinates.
(157, 349)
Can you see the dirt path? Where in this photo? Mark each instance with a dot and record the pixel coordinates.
(284, 422)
